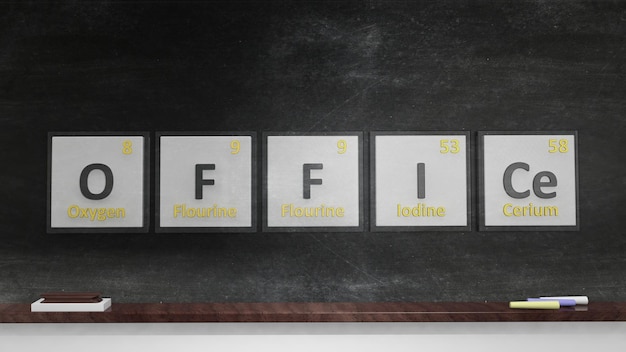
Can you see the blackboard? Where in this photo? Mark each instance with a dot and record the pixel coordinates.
(313, 67)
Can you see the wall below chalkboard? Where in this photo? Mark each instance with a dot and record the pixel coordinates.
(313, 67)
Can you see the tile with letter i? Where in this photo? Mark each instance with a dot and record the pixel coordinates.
(313, 182)
(420, 181)
(528, 180)
(98, 182)
(206, 182)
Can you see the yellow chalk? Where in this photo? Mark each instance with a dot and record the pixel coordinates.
(535, 305)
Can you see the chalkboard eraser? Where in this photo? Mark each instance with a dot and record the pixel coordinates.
(40, 306)
(535, 305)
(584, 300)
(71, 297)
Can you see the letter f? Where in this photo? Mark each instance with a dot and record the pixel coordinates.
(201, 181)
(307, 181)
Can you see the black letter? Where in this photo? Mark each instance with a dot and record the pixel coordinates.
(307, 181)
(421, 180)
(108, 181)
(200, 181)
(537, 184)
(508, 186)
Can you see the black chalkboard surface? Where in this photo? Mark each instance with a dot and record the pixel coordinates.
(313, 67)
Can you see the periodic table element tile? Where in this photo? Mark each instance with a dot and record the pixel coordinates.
(529, 181)
(206, 183)
(98, 182)
(313, 182)
(420, 181)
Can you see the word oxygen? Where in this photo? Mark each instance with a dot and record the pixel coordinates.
(418, 181)
(101, 214)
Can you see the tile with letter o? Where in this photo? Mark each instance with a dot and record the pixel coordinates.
(98, 182)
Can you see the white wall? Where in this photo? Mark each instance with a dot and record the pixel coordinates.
(362, 337)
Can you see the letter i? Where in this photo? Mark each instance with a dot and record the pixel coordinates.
(421, 180)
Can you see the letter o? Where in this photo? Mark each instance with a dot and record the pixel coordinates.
(108, 178)
(72, 211)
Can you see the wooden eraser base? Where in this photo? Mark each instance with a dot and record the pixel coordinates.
(101, 306)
